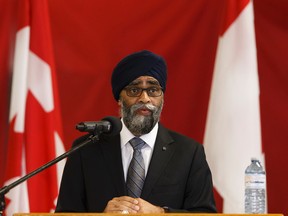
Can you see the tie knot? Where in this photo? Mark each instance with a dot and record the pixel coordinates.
(137, 143)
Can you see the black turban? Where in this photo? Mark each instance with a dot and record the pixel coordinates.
(143, 63)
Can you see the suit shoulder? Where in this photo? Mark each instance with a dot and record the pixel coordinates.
(184, 140)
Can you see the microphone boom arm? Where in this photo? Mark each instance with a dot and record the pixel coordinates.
(91, 139)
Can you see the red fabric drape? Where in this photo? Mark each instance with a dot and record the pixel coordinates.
(90, 37)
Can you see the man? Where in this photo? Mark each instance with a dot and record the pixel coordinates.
(167, 173)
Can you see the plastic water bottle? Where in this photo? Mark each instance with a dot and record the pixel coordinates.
(255, 188)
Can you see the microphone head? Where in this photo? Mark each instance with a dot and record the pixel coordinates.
(116, 125)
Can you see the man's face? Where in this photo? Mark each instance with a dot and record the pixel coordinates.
(140, 113)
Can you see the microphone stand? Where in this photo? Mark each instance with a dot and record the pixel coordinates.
(91, 139)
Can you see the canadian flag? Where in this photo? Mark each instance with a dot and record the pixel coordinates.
(35, 132)
(233, 131)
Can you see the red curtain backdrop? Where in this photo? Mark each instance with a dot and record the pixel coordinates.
(89, 37)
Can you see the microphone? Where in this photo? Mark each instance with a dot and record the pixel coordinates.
(109, 125)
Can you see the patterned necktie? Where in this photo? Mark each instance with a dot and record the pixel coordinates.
(136, 170)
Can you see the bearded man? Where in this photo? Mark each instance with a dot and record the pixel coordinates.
(146, 168)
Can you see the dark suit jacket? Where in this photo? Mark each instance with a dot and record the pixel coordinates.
(178, 176)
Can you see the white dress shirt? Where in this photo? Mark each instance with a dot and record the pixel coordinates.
(127, 150)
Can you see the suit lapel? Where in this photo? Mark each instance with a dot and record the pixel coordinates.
(161, 155)
(112, 155)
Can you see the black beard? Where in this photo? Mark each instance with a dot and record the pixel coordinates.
(139, 124)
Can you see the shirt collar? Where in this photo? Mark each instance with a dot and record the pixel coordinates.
(149, 139)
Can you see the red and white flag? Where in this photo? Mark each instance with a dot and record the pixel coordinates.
(233, 131)
(35, 132)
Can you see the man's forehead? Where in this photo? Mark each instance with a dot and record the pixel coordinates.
(145, 79)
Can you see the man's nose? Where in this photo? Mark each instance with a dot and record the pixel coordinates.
(144, 97)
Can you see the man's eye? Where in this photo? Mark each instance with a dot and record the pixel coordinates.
(153, 89)
(134, 90)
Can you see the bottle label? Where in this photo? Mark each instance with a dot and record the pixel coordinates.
(255, 181)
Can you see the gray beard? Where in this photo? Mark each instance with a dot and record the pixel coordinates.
(139, 124)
